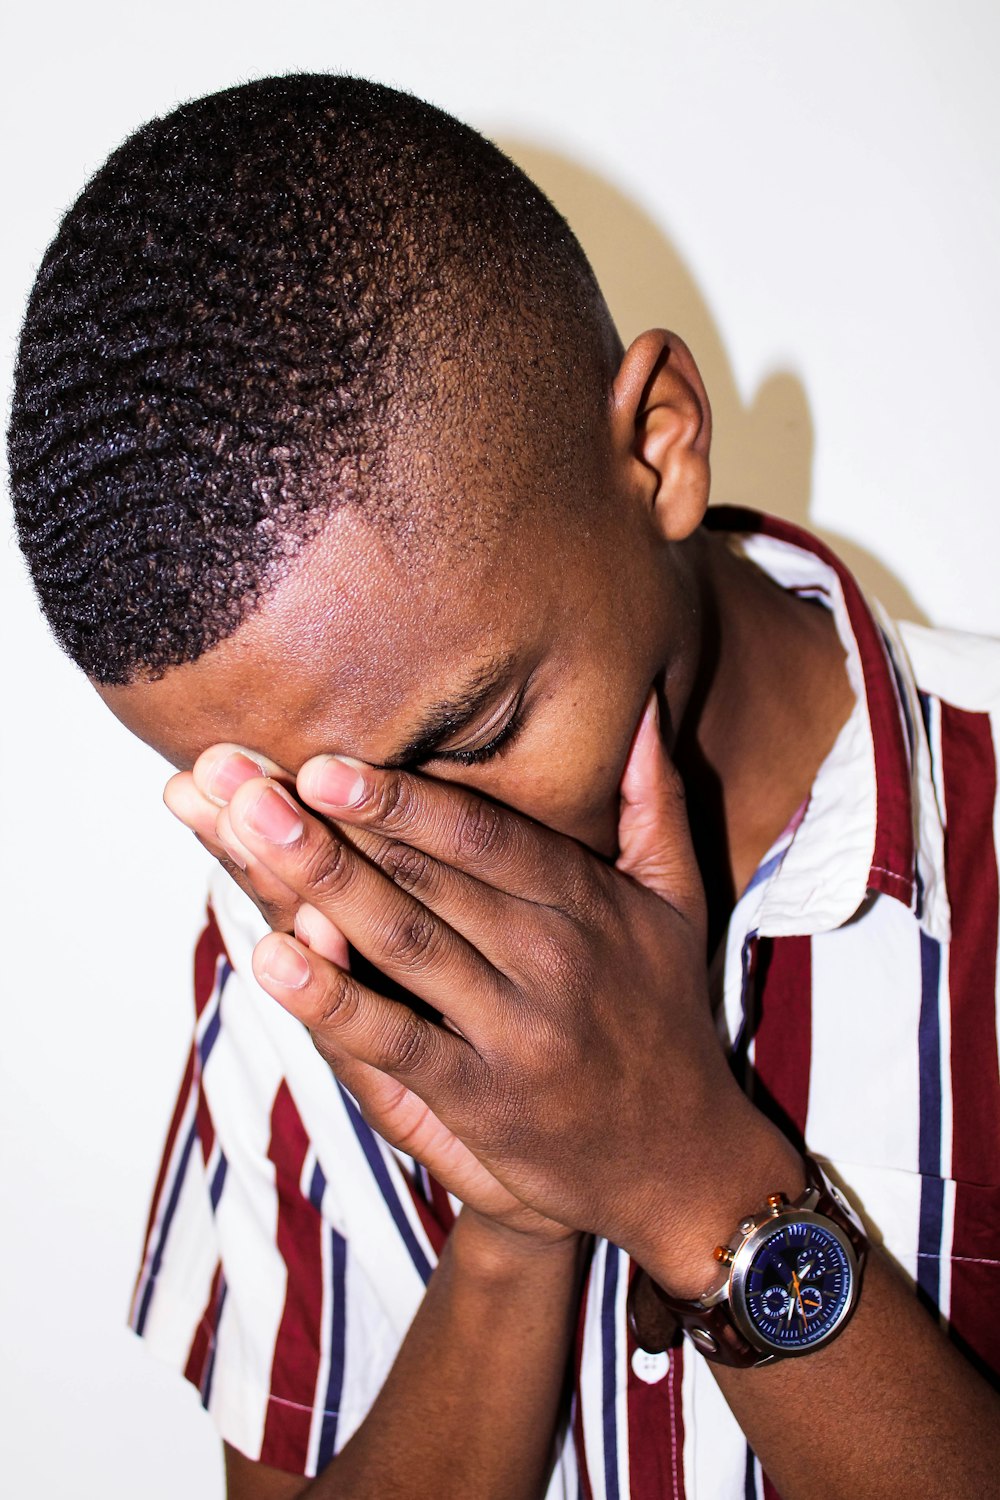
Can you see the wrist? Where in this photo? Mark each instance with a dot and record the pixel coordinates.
(492, 1251)
(753, 1161)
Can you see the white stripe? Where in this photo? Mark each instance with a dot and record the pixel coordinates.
(944, 989)
(864, 1086)
(185, 1277)
(621, 1373)
(169, 1180)
(592, 1373)
(714, 1445)
(947, 1243)
(326, 1321)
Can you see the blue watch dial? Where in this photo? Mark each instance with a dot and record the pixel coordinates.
(798, 1285)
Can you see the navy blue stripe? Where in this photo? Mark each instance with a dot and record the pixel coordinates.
(750, 1476)
(766, 870)
(209, 1035)
(932, 1187)
(218, 1181)
(338, 1340)
(170, 1210)
(317, 1187)
(369, 1146)
(206, 1387)
(609, 1332)
(925, 713)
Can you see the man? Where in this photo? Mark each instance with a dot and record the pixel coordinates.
(335, 479)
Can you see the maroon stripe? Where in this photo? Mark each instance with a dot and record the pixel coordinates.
(433, 1228)
(295, 1367)
(175, 1124)
(892, 868)
(208, 950)
(970, 787)
(767, 1488)
(443, 1210)
(204, 1335)
(655, 1430)
(783, 1034)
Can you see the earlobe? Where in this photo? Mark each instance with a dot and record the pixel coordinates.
(662, 431)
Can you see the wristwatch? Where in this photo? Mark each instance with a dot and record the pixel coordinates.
(792, 1280)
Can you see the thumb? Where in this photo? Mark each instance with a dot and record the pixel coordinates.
(654, 838)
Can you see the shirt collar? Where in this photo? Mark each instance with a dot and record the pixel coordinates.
(872, 823)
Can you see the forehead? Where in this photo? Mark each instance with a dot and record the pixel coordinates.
(346, 652)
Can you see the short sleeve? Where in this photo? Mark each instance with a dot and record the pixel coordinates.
(288, 1247)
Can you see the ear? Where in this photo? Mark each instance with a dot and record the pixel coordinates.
(662, 431)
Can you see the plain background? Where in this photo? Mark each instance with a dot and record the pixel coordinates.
(807, 193)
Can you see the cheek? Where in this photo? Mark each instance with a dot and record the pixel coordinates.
(573, 789)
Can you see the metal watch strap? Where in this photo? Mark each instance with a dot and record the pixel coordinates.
(657, 1319)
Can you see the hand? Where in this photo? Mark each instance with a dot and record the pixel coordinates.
(398, 1114)
(578, 1061)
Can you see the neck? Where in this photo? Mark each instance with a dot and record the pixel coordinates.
(770, 698)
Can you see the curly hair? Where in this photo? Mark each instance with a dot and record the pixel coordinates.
(252, 316)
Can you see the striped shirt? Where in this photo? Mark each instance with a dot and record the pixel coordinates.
(289, 1246)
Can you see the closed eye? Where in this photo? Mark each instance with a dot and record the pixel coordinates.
(500, 741)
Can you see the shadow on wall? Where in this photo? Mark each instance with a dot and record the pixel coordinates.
(762, 453)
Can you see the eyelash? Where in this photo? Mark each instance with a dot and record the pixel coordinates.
(499, 742)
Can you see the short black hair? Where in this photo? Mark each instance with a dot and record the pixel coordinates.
(247, 320)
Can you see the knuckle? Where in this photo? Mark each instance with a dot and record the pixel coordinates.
(480, 830)
(404, 1045)
(327, 869)
(394, 803)
(413, 939)
(405, 866)
(339, 1002)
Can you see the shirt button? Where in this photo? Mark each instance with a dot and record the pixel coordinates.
(650, 1367)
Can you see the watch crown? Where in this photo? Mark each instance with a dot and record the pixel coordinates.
(723, 1253)
(776, 1202)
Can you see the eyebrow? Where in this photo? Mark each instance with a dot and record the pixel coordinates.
(444, 719)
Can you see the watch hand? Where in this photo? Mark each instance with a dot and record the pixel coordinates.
(798, 1297)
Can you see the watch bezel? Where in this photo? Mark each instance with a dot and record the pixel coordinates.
(743, 1259)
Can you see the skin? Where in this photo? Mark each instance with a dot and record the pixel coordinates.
(554, 904)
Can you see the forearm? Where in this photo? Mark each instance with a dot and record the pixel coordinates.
(471, 1404)
(889, 1408)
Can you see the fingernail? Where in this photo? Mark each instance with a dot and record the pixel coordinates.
(231, 772)
(275, 817)
(339, 782)
(285, 965)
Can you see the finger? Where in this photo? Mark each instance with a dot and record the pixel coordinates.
(183, 798)
(404, 939)
(317, 932)
(349, 1020)
(502, 848)
(275, 898)
(486, 917)
(222, 768)
(654, 837)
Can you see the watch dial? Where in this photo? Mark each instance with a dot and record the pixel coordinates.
(797, 1285)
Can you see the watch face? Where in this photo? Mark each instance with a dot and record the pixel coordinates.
(797, 1284)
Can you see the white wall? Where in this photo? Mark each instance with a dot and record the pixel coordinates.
(808, 193)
